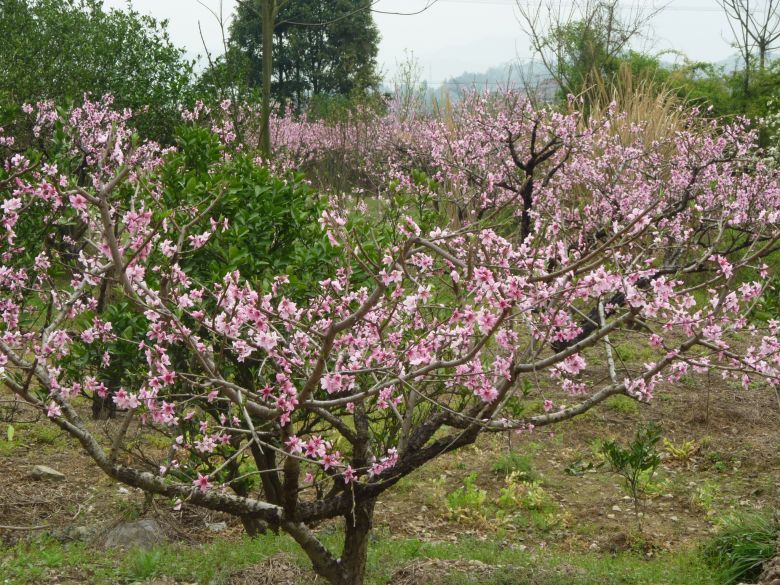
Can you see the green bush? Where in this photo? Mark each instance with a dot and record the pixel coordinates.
(62, 49)
(526, 495)
(273, 225)
(635, 463)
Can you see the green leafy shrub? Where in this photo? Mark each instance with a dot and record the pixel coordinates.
(273, 225)
(680, 452)
(517, 493)
(62, 49)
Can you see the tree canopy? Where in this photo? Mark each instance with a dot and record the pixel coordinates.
(321, 47)
(61, 49)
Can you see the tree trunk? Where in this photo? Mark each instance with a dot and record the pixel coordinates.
(350, 569)
(357, 526)
(268, 11)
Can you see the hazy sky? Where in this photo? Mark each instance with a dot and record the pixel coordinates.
(454, 36)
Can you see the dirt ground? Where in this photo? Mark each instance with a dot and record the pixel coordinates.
(734, 462)
(722, 455)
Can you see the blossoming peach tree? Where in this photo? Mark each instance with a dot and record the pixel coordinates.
(288, 409)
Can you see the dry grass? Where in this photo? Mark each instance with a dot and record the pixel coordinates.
(641, 101)
(276, 570)
(437, 571)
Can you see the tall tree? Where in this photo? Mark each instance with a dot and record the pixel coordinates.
(755, 29)
(269, 10)
(319, 47)
(581, 39)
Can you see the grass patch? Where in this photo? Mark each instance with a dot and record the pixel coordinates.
(518, 567)
(41, 561)
(144, 564)
(633, 352)
(744, 542)
(22, 435)
(514, 462)
(210, 563)
(622, 404)
(46, 434)
(8, 447)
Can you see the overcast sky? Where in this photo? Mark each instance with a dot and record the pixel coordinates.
(454, 36)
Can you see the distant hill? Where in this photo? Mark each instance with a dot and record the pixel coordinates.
(734, 62)
(519, 74)
(512, 74)
(532, 74)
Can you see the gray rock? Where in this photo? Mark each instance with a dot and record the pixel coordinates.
(81, 533)
(45, 473)
(77, 533)
(139, 534)
(217, 526)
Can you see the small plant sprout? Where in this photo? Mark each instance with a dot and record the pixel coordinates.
(636, 463)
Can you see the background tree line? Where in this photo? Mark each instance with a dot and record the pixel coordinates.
(321, 48)
(324, 57)
(323, 51)
(589, 46)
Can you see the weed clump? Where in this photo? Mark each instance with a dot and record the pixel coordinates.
(745, 541)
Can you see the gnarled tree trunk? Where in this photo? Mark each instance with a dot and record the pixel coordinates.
(357, 528)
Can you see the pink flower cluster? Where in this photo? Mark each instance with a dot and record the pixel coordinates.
(550, 238)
